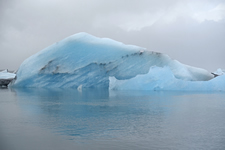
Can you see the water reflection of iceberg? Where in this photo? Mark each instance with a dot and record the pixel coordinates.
(127, 118)
(93, 112)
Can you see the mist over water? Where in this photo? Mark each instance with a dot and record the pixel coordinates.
(101, 119)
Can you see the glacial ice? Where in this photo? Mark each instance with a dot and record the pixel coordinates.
(219, 72)
(5, 75)
(83, 60)
(162, 78)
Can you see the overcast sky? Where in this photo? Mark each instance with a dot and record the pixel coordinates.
(190, 31)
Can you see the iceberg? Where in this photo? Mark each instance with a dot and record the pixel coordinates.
(6, 77)
(86, 61)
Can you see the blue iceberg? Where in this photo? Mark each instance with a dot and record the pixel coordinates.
(86, 61)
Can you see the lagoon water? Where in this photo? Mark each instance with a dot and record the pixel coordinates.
(56, 119)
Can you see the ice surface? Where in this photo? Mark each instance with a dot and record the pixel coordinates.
(83, 59)
(219, 72)
(6, 75)
(159, 78)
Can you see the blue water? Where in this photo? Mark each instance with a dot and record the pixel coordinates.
(36, 119)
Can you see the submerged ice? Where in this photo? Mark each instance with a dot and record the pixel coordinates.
(83, 60)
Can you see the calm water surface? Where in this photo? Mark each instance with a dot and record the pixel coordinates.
(46, 119)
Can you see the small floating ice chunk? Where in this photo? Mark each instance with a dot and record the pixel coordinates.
(6, 75)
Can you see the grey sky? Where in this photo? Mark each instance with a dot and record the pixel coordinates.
(190, 31)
